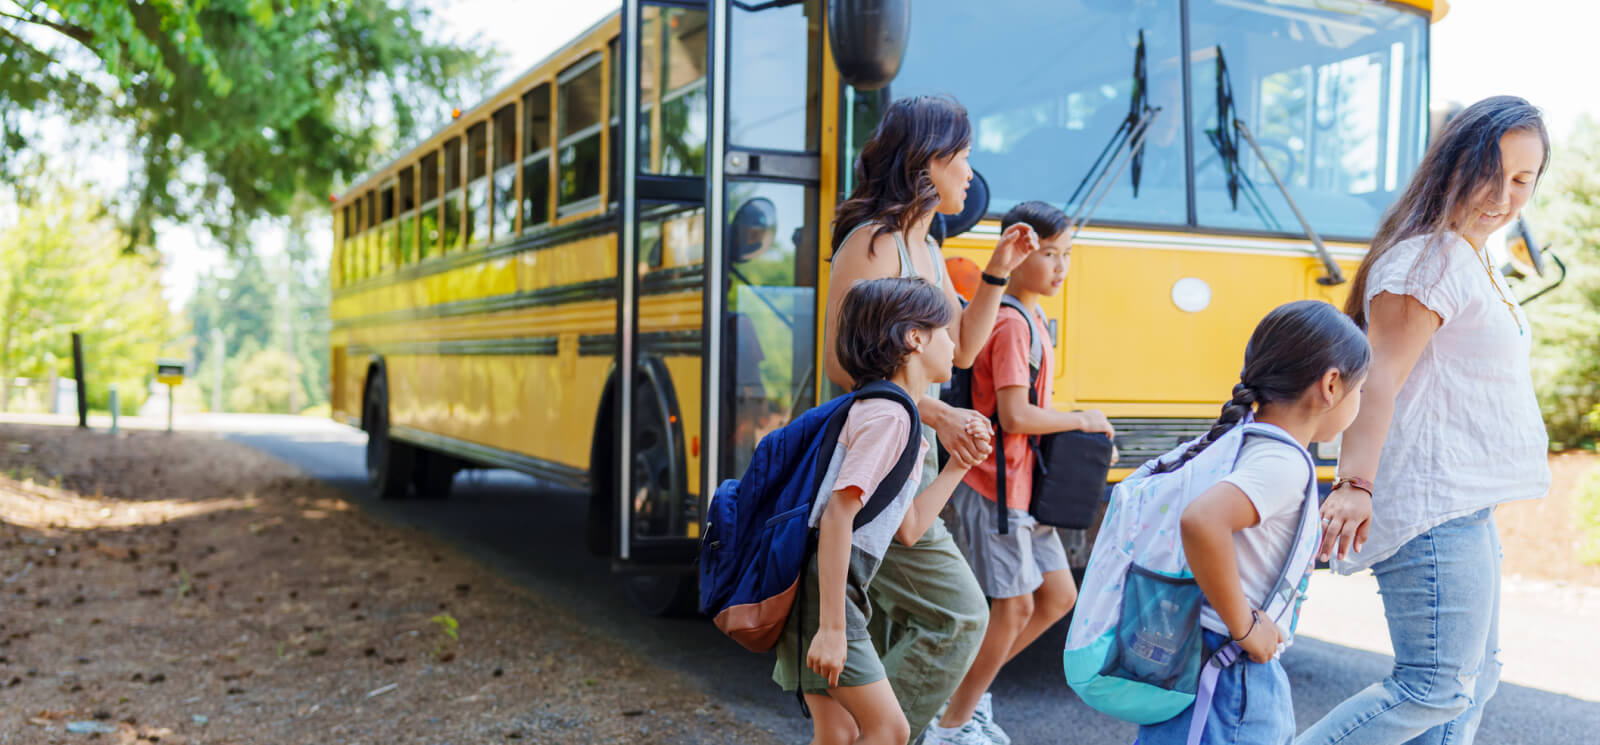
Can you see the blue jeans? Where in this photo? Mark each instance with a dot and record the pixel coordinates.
(1441, 594)
(1251, 706)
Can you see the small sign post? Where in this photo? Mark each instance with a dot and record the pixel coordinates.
(170, 374)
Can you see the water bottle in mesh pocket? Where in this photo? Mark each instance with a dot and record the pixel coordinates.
(1158, 637)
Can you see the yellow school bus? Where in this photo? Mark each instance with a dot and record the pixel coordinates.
(609, 273)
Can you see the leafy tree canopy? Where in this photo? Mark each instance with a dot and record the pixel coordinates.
(229, 107)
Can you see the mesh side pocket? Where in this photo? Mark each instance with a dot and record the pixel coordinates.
(1158, 636)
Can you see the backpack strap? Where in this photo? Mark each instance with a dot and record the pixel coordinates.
(1035, 360)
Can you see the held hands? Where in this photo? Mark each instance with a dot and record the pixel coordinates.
(966, 435)
(1017, 243)
(1346, 518)
(1262, 639)
(826, 655)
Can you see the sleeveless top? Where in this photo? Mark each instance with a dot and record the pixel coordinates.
(908, 270)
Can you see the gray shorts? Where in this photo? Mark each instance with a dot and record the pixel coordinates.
(1009, 565)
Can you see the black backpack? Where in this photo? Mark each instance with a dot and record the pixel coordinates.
(1070, 468)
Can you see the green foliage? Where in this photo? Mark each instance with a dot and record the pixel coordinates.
(1566, 353)
(259, 380)
(62, 270)
(266, 99)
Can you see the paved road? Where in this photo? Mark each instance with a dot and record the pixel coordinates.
(532, 533)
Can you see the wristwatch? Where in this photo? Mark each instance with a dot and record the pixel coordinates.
(996, 281)
(1355, 481)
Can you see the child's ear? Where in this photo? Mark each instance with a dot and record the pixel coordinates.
(1330, 386)
(915, 339)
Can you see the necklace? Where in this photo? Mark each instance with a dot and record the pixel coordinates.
(1483, 260)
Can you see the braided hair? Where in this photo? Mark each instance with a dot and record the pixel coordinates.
(1291, 349)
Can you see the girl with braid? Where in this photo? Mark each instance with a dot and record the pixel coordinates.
(1303, 371)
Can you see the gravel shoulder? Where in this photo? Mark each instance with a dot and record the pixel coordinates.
(184, 589)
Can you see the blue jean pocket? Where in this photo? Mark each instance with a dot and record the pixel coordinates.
(1158, 637)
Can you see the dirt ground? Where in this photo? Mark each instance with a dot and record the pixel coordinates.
(185, 589)
(1541, 537)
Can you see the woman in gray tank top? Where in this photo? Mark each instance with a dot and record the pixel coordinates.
(929, 614)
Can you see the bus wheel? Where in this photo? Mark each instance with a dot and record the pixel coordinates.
(667, 595)
(434, 473)
(389, 462)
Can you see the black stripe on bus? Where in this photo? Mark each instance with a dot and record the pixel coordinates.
(667, 281)
(685, 343)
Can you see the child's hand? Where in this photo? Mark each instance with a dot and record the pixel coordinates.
(826, 656)
(1017, 243)
(965, 434)
(1262, 640)
(1094, 420)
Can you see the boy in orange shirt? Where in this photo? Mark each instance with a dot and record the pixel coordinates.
(1025, 571)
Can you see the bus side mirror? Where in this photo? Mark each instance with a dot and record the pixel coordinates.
(868, 40)
(1526, 255)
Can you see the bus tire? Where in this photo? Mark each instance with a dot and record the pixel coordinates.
(389, 462)
(664, 595)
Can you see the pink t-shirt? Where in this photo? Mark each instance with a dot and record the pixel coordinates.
(874, 435)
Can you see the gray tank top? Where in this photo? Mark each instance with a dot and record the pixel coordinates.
(930, 462)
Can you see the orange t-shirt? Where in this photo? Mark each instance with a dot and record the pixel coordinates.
(1002, 363)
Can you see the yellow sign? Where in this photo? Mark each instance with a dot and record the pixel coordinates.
(169, 372)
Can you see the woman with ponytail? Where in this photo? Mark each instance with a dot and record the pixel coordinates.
(1450, 429)
(1303, 372)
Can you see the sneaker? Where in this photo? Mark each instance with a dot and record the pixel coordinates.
(967, 734)
(984, 719)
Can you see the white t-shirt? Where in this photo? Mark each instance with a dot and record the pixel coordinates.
(1273, 475)
(1466, 433)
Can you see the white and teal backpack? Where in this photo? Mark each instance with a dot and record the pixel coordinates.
(1135, 651)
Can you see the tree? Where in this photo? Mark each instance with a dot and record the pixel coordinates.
(62, 270)
(1566, 354)
(261, 99)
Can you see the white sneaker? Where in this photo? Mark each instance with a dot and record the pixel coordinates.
(984, 719)
(967, 734)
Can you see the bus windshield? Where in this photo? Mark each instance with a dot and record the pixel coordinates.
(1333, 91)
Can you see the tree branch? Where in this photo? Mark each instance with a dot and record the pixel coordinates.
(77, 33)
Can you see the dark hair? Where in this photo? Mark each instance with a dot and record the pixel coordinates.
(1289, 352)
(893, 187)
(874, 318)
(1464, 158)
(1045, 219)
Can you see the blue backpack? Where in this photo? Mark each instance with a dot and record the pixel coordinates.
(758, 536)
(1134, 649)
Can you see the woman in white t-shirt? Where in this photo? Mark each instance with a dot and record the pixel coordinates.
(1448, 429)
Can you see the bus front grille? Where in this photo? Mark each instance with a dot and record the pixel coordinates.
(1139, 440)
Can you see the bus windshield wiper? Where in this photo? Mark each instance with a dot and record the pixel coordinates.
(1124, 150)
(1224, 140)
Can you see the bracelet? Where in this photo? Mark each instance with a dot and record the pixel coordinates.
(1255, 617)
(996, 281)
(1354, 481)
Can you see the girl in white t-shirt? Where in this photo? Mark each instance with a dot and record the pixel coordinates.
(1303, 372)
(1450, 429)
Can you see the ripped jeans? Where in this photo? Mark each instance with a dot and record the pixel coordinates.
(1441, 595)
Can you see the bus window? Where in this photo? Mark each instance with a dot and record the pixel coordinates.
(388, 249)
(477, 222)
(771, 301)
(579, 118)
(452, 194)
(369, 253)
(408, 215)
(536, 157)
(674, 47)
(614, 140)
(1045, 107)
(346, 246)
(505, 171)
(775, 43)
(428, 219)
(1335, 101)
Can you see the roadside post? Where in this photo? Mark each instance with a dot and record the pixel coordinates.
(170, 374)
(116, 409)
(77, 374)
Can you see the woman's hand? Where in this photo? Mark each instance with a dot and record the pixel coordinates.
(1261, 641)
(1016, 244)
(1346, 518)
(826, 655)
(965, 434)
